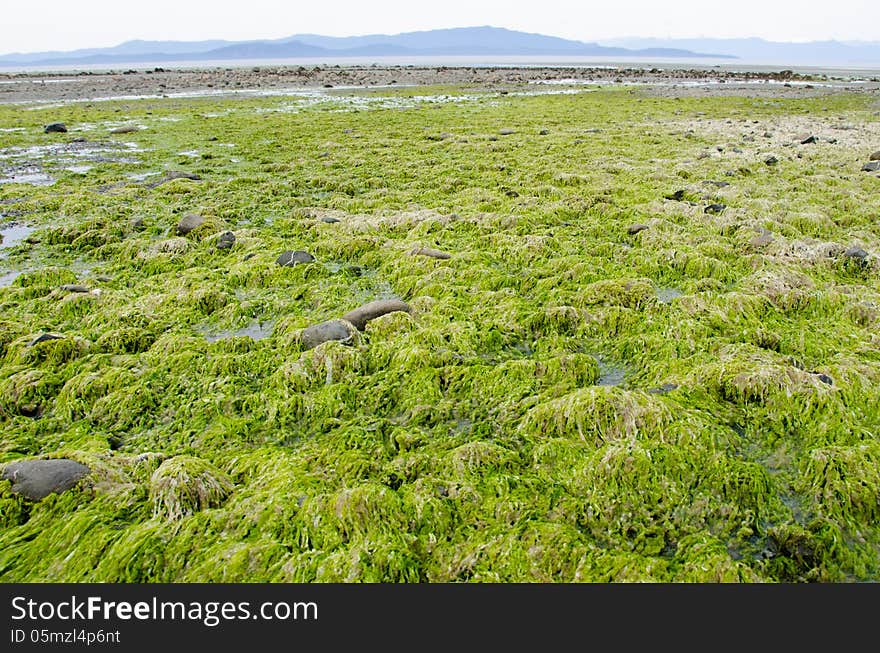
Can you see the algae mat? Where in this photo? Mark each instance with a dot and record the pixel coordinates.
(640, 340)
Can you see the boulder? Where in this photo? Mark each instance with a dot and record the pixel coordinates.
(314, 335)
(363, 314)
(36, 479)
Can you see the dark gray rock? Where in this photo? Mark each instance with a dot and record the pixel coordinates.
(875, 156)
(856, 255)
(806, 139)
(824, 378)
(771, 160)
(36, 479)
(55, 127)
(291, 258)
(74, 287)
(327, 219)
(677, 196)
(636, 228)
(363, 314)
(339, 330)
(189, 223)
(226, 240)
(44, 337)
(871, 166)
(714, 209)
(543, 132)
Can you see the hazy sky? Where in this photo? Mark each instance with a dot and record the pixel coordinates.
(30, 26)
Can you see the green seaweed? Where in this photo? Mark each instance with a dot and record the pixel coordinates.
(475, 438)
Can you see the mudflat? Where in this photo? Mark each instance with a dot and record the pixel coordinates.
(158, 82)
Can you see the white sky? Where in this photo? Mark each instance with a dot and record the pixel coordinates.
(31, 26)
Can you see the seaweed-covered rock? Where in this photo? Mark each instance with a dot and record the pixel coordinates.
(294, 257)
(340, 330)
(226, 240)
(37, 479)
(188, 223)
(184, 485)
(55, 127)
(363, 314)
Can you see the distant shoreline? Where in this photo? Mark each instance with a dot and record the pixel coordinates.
(161, 82)
(696, 63)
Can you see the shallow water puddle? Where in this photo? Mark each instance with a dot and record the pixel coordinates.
(255, 331)
(28, 165)
(610, 374)
(7, 278)
(28, 175)
(14, 234)
(666, 295)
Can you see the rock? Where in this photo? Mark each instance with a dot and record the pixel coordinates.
(73, 287)
(506, 131)
(226, 240)
(363, 314)
(871, 166)
(856, 255)
(677, 196)
(715, 209)
(806, 139)
(432, 253)
(768, 135)
(189, 223)
(291, 258)
(55, 127)
(340, 330)
(327, 219)
(771, 160)
(543, 132)
(125, 129)
(636, 228)
(136, 223)
(824, 378)
(875, 156)
(36, 479)
(43, 337)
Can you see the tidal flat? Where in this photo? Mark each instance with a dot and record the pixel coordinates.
(636, 337)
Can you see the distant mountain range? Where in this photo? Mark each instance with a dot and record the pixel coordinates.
(464, 41)
(866, 53)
